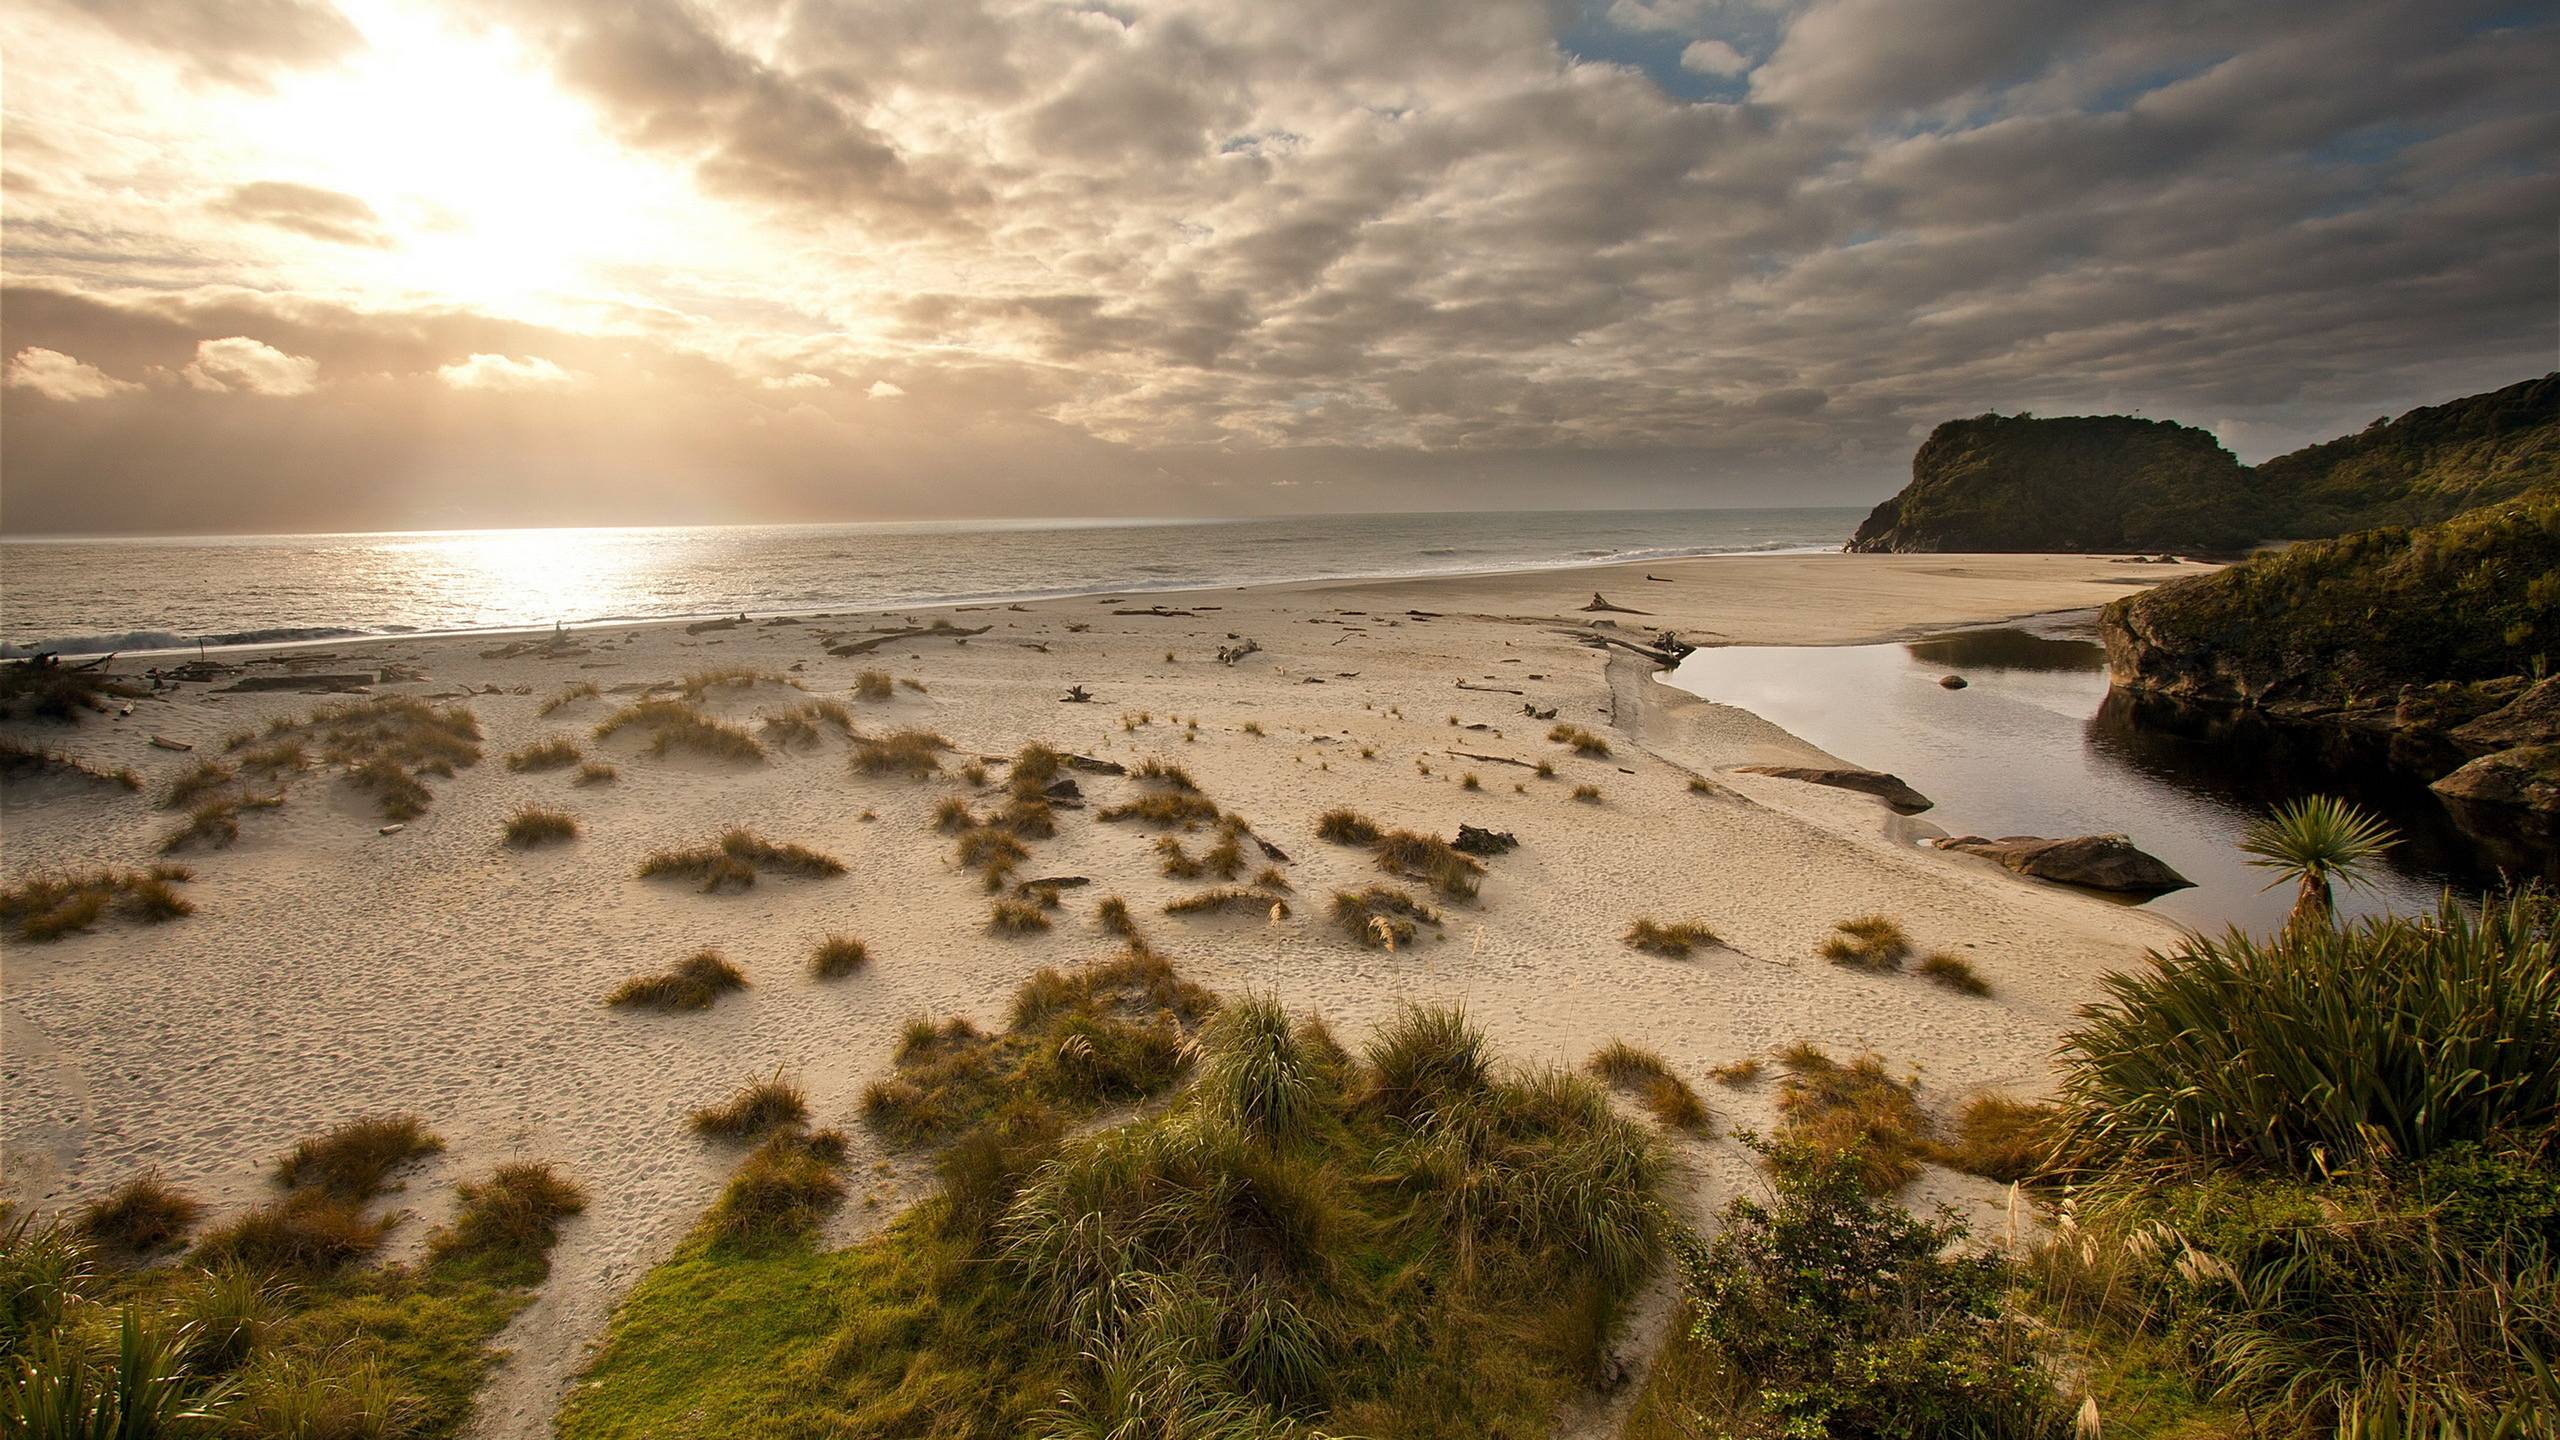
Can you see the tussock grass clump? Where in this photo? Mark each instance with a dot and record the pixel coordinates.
(1942, 967)
(762, 1105)
(1152, 771)
(874, 685)
(2000, 1139)
(306, 1233)
(1274, 879)
(1382, 917)
(1869, 942)
(596, 772)
(695, 984)
(783, 1188)
(1170, 810)
(1858, 1109)
(1587, 794)
(1584, 742)
(731, 677)
(214, 823)
(556, 753)
(1451, 873)
(673, 725)
(1260, 1077)
(1112, 914)
(1424, 1058)
(1647, 1076)
(1675, 940)
(386, 744)
(203, 778)
(50, 904)
(1345, 826)
(353, 1161)
(1017, 917)
(513, 1213)
(953, 815)
(1178, 863)
(1744, 1071)
(1032, 819)
(143, 1215)
(800, 725)
(988, 848)
(837, 956)
(19, 760)
(1225, 898)
(43, 688)
(736, 857)
(533, 825)
(912, 753)
(568, 696)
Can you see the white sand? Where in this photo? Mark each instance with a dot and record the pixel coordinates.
(331, 971)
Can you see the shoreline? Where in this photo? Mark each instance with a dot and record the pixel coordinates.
(331, 970)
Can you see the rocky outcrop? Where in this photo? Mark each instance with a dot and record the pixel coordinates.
(2526, 777)
(1888, 788)
(2532, 718)
(2099, 862)
(2102, 482)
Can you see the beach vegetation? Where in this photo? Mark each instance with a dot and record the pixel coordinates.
(1253, 727)
(41, 687)
(953, 815)
(1944, 967)
(1584, 742)
(874, 685)
(1859, 1109)
(1017, 917)
(1868, 942)
(1468, 781)
(2001, 1139)
(1226, 898)
(388, 745)
(533, 825)
(214, 822)
(1112, 914)
(197, 781)
(1645, 1075)
(1675, 939)
(838, 955)
(556, 753)
(1152, 771)
(50, 904)
(694, 984)
(1166, 810)
(597, 772)
(780, 1192)
(1587, 794)
(567, 696)
(735, 857)
(1381, 917)
(141, 1216)
(1546, 770)
(913, 753)
(731, 677)
(1274, 879)
(763, 1105)
(1701, 785)
(1177, 861)
(20, 760)
(1344, 826)
(1451, 873)
(1738, 1073)
(2318, 842)
(673, 725)
(353, 1161)
(909, 682)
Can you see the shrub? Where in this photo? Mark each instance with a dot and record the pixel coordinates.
(532, 825)
(1857, 1109)
(912, 753)
(1645, 1075)
(736, 857)
(352, 1161)
(1869, 942)
(763, 1105)
(552, 754)
(514, 1212)
(51, 904)
(2391, 1036)
(1954, 972)
(1675, 940)
(1847, 1316)
(837, 956)
(693, 985)
(144, 1214)
(1381, 917)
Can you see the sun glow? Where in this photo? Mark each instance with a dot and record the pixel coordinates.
(494, 189)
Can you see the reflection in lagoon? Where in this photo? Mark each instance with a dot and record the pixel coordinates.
(2037, 744)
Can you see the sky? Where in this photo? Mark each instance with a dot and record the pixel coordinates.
(283, 265)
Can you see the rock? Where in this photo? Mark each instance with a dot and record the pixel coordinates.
(2100, 862)
(1952, 682)
(163, 742)
(2083, 483)
(2532, 718)
(1888, 788)
(2527, 776)
(1472, 841)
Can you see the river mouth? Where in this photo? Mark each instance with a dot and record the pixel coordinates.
(2036, 743)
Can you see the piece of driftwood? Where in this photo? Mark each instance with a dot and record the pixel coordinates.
(1052, 883)
(939, 628)
(163, 742)
(1076, 695)
(1475, 841)
(355, 680)
(1492, 759)
(1534, 713)
(1092, 766)
(1489, 689)
(1601, 602)
(705, 627)
(1159, 612)
(1230, 654)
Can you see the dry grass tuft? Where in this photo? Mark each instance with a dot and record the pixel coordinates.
(1645, 1075)
(1227, 898)
(1587, 794)
(1675, 940)
(51, 904)
(551, 754)
(1955, 972)
(800, 724)
(679, 725)
(1857, 1108)
(1744, 1071)
(532, 825)
(215, 822)
(19, 760)
(1274, 878)
(1382, 917)
(837, 956)
(763, 1105)
(306, 1233)
(874, 685)
(1584, 742)
(583, 690)
(953, 816)
(783, 1189)
(143, 1215)
(1170, 810)
(736, 858)
(913, 753)
(693, 985)
(1152, 771)
(385, 743)
(515, 1210)
(597, 772)
(1017, 917)
(352, 1162)
(1451, 873)
(2001, 1139)
(732, 677)
(1345, 826)
(1114, 917)
(1869, 942)
(203, 778)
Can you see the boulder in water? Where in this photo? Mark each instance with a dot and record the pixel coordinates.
(2099, 862)
(1888, 788)
(2526, 776)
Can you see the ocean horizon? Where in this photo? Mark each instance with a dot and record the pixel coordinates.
(87, 595)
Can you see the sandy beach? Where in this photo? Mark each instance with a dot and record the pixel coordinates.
(331, 970)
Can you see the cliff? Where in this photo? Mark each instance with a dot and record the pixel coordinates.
(2429, 465)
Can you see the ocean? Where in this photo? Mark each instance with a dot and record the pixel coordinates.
(91, 596)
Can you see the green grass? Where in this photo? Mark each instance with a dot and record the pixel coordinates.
(1277, 1243)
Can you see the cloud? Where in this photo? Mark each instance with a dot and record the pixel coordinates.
(503, 372)
(238, 363)
(240, 42)
(57, 376)
(1713, 57)
(799, 380)
(305, 210)
(884, 390)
